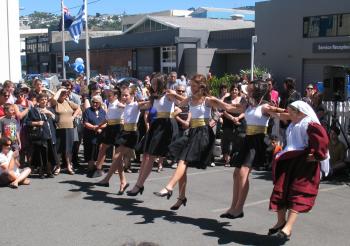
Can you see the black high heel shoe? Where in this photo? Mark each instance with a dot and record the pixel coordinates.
(231, 216)
(282, 235)
(141, 189)
(168, 193)
(275, 230)
(121, 192)
(183, 201)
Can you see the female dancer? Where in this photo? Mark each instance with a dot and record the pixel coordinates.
(127, 139)
(252, 152)
(192, 150)
(296, 169)
(162, 131)
(111, 129)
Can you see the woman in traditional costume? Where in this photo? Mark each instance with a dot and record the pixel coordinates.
(296, 169)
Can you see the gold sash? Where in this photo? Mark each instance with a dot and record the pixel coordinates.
(164, 115)
(115, 122)
(198, 122)
(131, 127)
(253, 130)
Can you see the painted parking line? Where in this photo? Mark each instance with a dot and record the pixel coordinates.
(251, 204)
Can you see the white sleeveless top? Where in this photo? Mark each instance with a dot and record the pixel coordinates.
(114, 112)
(163, 104)
(201, 111)
(131, 113)
(255, 117)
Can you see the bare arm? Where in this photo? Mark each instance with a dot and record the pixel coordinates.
(20, 115)
(276, 112)
(184, 123)
(232, 108)
(145, 105)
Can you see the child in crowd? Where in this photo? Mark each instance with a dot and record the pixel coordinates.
(9, 127)
(273, 148)
(9, 166)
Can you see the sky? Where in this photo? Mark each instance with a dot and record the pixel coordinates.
(129, 6)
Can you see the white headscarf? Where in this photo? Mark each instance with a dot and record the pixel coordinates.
(307, 110)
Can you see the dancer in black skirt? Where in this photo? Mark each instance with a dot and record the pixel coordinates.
(194, 150)
(252, 152)
(127, 139)
(111, 129)
(162, 132)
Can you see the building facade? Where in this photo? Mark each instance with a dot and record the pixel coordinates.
(165, 44)
(10, 41)
(305, 39)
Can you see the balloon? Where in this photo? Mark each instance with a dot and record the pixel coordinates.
(79, 68)
(79, 61)
(66, 59)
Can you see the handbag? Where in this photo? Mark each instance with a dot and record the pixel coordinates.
(36, 132)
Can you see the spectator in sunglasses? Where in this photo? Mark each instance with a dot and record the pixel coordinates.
(10, 173)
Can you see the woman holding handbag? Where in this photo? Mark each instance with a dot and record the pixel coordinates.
(42, 134)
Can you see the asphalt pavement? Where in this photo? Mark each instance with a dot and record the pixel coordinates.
(70, 210)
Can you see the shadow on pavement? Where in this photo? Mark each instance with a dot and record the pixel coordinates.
(216, 228)
(265, 175)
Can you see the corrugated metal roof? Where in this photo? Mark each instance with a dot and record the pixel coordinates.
(197, 23)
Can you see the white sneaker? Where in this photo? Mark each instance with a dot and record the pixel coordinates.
(174, 166)
(212, 164)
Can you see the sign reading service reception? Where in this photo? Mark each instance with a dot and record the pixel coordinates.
(335, 47)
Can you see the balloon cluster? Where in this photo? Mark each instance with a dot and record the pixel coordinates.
(78, 66)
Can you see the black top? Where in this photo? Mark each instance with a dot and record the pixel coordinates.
(228, 123)
(49, 129)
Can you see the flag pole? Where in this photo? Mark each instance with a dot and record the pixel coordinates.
(87, 45)
(63, 43)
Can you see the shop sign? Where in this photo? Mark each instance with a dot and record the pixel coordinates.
(334, 47)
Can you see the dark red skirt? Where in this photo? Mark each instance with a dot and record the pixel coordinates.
(296, 182)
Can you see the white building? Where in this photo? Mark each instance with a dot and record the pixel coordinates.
(10, 64)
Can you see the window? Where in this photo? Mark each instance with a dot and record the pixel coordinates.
(344, 25)
(326, 26)
(150, 26)
(168, 59)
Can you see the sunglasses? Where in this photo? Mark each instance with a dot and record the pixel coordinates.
(310, 88)
(180, 91)
(6, 95)
(95, 102)
(7, 145)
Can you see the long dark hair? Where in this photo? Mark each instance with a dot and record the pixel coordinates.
(260, 92)
(160, 80)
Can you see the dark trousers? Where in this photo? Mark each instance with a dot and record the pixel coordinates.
(43, 156)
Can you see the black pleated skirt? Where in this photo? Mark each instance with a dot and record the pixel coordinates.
(160, 135)
(252, 152)
(196, 148)
(128, 139)
(111, 134)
